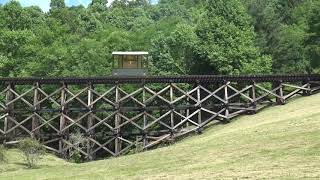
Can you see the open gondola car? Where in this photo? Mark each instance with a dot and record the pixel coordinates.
(130, 63)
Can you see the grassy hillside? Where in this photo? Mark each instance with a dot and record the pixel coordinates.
(280, 142)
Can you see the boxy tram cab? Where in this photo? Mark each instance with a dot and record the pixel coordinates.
(130, 63)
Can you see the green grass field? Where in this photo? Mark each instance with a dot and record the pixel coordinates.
(282, 142)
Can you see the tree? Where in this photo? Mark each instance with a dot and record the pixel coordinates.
(119, 3)
(98, 6)
(281, 33)
(226, 39)
(169, 8)
(174, 54)
(289, 51)
(5, 66)
(139, 3)
(182, 36)
(15, 47)
(14, 17)
(313, 40)
(57, 4)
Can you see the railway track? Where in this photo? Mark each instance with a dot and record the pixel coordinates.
(163, 79)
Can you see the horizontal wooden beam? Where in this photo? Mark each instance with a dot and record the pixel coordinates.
(117, 118)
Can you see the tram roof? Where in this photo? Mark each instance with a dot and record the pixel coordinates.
(130, 53)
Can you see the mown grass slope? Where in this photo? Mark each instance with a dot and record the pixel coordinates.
(282, 142)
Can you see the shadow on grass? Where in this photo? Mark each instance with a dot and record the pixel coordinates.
(25, 165)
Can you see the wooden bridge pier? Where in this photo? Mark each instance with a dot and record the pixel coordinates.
(9, 114)
(118, 115)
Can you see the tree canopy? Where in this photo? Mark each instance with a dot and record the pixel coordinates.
(182, 36)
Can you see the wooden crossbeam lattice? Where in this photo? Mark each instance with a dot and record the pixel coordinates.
(158, 113)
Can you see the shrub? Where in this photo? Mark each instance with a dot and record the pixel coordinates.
(78, 141)
(75, 156)
(139, 147)
(2, 154)
(32, 151)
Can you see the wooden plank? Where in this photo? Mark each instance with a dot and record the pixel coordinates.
(162, 138)
(37, 107)
(117, 146)
(213, 94)
(48, 96)
(213, 117)
(76, 96)
(240, 92)
(51, 148)
(75, 122)
(172, 110)
(102, 97)
(46, 123)
(90, 123)
(271, 92)
(102, 121)
(19, 125)
(226, 99)
(4, 92)
(254, 98)
(130, 120)
(280, 98)
(199, 103)
(155, 120)
(20, 97)
(295, 92)
(102, 146)
(10, 115)
(62, 123)
(131, 95)
(123, 150)
(303, 87)
(145, 139)
(187, 118)
(185, 94)
(157, 95)
(2, 132)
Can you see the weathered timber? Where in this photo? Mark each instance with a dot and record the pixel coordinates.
(116, 115)
(62, 133)
(90, 123)
(37, 107)
(9, 112)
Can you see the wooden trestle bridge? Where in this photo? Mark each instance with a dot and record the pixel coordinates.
(118, 114)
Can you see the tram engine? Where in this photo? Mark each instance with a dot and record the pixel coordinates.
(130, 63)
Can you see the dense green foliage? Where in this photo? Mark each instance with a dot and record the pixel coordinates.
(288, 30)
(183, 37)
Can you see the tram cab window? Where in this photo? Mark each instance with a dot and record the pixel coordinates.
(130, 63)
